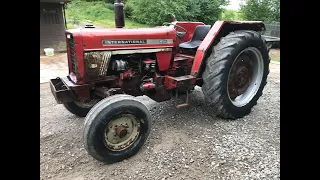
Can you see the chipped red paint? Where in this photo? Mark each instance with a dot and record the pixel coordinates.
(182, 81)
(93, 37)
(190, 27)
(164, 59)
(174, 69)
(78, 50)
(148, 86)
(68, 53)
(126, 74)
(201, 51)
(149, 61)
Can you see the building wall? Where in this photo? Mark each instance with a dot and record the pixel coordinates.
(52, 26)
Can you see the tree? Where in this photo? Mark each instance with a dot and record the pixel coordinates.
(156, 12)
(275, 10)
(261, 10)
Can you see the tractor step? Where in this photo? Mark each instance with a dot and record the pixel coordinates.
(180, 81)
(183, 104)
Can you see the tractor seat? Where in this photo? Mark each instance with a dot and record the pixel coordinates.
(200, 32)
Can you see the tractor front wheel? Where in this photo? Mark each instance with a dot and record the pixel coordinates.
(236, 74)
(79, 108)
(116, 128)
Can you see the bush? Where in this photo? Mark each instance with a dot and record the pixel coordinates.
(109, 1)
(91, 0)
(110, 6)
(88, 10)
(155, 12)
(209, 11)
(261, 10)
(106, 1)
(128, 10)
(230, 15)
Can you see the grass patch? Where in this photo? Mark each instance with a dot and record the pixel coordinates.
(71, 26)
(276, 59)
(274, 54)
(96, 12)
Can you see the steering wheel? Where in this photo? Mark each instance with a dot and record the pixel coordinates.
(178, 33)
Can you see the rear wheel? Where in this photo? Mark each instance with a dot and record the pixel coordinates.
(236, 73)
(116, 128)
(79, 108)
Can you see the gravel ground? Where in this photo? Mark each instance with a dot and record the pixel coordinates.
(186, 143)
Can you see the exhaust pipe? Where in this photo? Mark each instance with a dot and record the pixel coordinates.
(119, 14)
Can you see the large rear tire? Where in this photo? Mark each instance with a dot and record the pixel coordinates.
(236, 74)
(116, 128)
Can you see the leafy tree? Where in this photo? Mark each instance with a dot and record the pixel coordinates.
(155, 12)
(262, 10)
(275, 10)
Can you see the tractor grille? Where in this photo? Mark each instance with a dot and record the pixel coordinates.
(72, 54)
(96, 64)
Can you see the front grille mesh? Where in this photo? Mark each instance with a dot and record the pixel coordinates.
(96, 64)
(72, 54)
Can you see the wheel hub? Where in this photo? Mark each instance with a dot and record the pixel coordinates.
(121, 132)
(245, 76)
(240, 76)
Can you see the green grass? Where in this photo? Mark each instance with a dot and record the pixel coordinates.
(274, 54)
(71, 26)
(95, 12)
(276, 59)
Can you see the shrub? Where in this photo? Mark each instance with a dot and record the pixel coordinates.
(156, 12)
(128, 10)
(261, 10)
(110, 6)
(109, 1)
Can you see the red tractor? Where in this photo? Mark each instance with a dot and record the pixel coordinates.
(108, 68)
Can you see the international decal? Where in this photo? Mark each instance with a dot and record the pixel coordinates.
(111, 42)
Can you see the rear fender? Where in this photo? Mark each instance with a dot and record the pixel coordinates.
(218, 30)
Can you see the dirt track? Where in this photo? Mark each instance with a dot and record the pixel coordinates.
(183, 144)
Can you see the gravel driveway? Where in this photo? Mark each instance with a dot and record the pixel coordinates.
(185, 143)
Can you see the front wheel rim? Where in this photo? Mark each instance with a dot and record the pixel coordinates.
(121, 132)
(245, 76)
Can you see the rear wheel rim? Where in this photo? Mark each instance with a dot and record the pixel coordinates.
(245, 76)
(121, 132)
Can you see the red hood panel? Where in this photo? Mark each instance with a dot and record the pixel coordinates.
(121, 38)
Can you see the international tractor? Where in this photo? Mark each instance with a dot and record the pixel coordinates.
(110, 67)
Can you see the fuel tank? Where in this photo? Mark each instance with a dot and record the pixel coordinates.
(124, 38)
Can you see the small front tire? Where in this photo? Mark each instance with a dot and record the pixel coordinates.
(116, 128)
(80, 109)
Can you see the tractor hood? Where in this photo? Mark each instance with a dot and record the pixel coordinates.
(122, 38)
